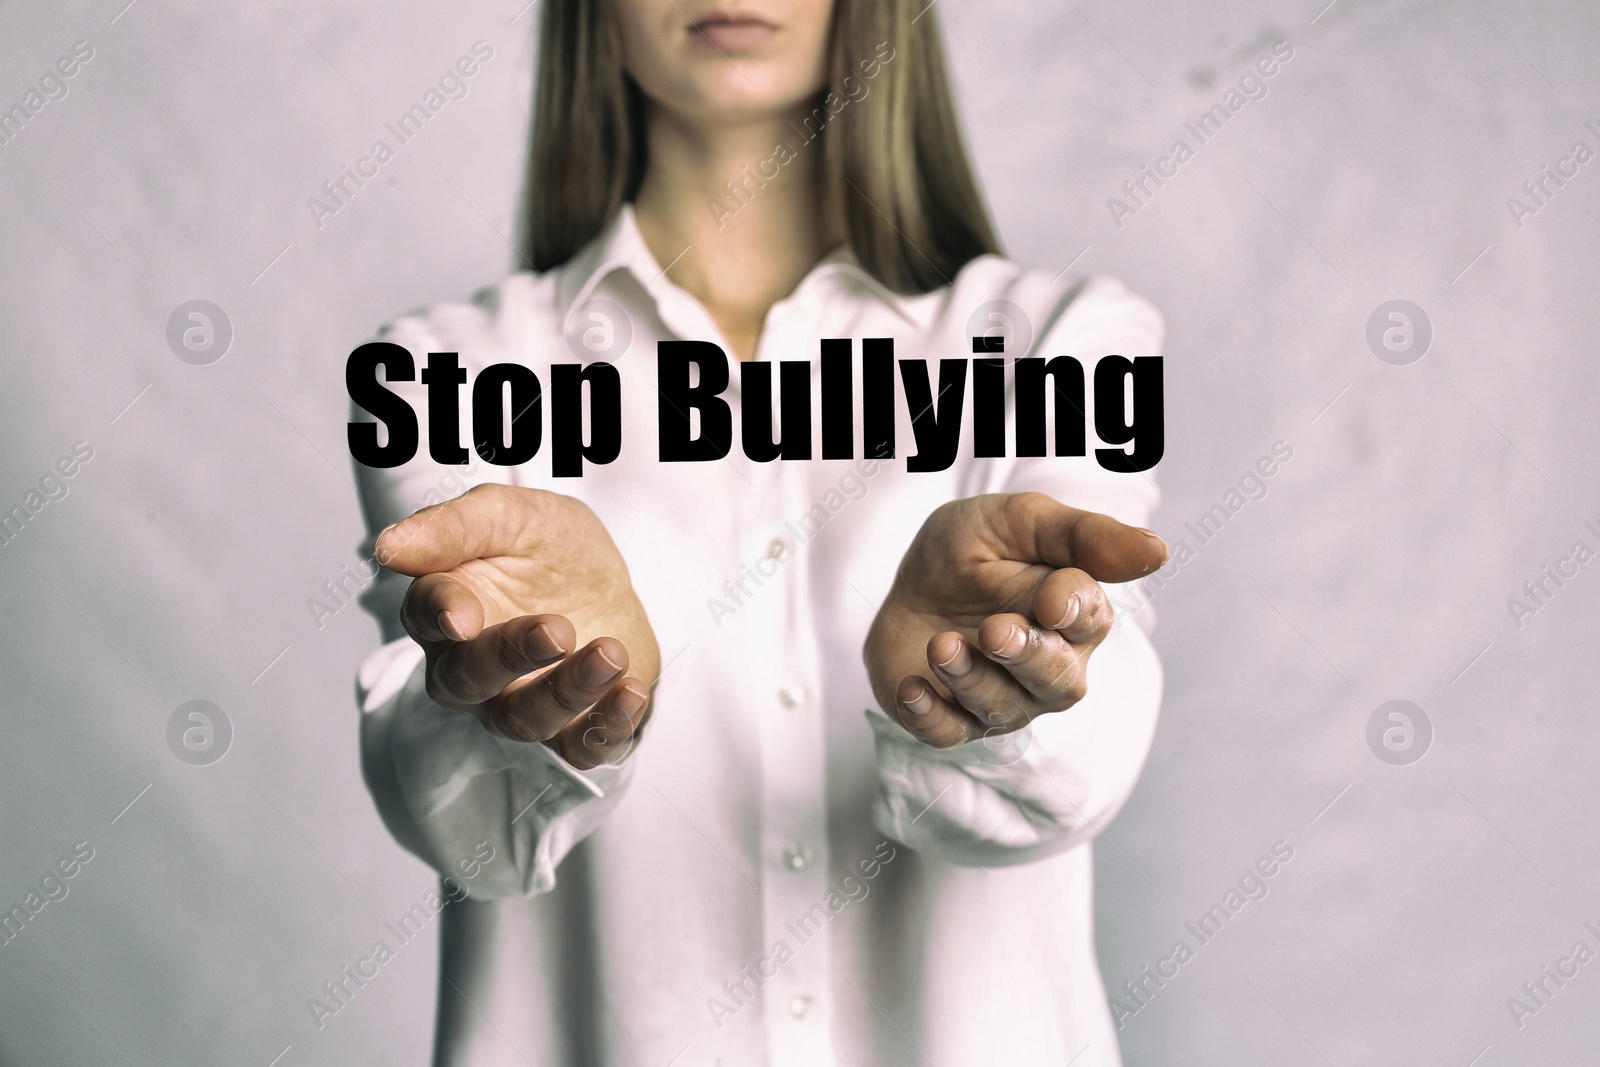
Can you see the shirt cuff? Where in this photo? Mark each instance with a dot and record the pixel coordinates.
(988, 803)
(453, 788)
(1020, 797)
(387, 670)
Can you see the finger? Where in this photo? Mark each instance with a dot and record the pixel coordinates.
(932, 718)
(485, 521)
(440, 607)
(1043, 662)
(981, 686)
(604, 733)
(538, 709)
(464, 673)
(1037, 529)
(1072, 603)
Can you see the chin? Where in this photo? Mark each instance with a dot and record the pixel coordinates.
(750, 92)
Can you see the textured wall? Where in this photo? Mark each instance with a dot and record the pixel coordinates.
(1377, 566)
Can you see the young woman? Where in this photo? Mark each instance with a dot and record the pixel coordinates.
(738, 762)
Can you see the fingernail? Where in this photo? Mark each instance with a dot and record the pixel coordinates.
(1070, 616)
(540, 644)
(630, 701)
(959, 665)
(597, 669)
(920, 704)
(452, 627)
(1013, 643)
(1152, 535)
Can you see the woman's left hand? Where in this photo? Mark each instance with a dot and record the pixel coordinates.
(994, 612)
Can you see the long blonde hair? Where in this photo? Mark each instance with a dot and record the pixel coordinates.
(897, 182)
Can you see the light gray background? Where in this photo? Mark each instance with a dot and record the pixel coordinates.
(1378, 567)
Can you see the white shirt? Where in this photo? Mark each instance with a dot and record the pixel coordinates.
(777, 874)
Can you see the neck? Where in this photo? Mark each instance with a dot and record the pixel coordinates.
(738, 251)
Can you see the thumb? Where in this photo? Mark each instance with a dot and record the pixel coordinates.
(485, 521)
(1033, 528)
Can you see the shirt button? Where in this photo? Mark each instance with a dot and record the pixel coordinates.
(791, 696)
(799, 1005)
(778, 549)
(797, 856)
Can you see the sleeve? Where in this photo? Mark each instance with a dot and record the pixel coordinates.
(1021, 797)
(444, 786)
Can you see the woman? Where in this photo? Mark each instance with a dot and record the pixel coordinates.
(759, 763)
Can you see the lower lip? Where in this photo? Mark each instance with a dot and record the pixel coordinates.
(735, 36)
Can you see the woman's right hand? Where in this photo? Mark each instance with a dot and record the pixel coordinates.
(508, 581)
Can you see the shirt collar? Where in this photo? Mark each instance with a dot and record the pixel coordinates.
(620, 246)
